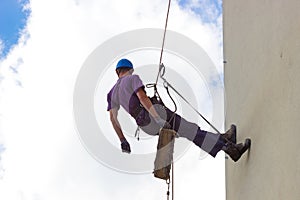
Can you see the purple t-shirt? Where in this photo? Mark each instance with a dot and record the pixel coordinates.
(124, 93)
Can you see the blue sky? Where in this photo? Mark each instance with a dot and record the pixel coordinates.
(208, 10)
(13, 19)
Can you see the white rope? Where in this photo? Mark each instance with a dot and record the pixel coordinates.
(163, 42)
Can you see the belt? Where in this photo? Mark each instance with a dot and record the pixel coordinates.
(135, 113)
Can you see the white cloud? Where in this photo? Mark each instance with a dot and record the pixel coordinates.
(2, 149)
(44, 158)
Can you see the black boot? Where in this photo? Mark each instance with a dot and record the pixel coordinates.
(235, 151)
(230, 135)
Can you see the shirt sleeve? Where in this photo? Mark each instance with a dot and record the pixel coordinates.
(137, 83)
(110, 102)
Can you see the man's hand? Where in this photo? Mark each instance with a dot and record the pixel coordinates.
(125, 146)
(163, 123)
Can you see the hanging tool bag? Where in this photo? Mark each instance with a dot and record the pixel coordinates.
(164, 154)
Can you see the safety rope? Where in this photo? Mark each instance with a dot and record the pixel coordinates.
(172, 180)
(168, 192)
(167, 85)
(156, 93)
(163, 42)
(159, 73)
(169, 182)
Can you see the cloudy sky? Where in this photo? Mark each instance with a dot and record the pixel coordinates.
(43, 45)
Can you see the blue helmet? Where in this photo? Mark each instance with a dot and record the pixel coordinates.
(124, 63)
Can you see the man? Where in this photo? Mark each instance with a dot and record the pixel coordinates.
(151, 115)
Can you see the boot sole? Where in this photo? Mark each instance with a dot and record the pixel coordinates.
(247, 146)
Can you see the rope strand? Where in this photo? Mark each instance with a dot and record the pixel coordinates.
(167, 84)
(172, 180)
(163, 42)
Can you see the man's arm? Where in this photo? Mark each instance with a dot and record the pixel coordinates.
(115, 122)
(145, 101)
(116, 125)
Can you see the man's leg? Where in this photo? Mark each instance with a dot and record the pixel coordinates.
(209, 142)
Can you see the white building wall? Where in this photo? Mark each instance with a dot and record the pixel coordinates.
(262, 85)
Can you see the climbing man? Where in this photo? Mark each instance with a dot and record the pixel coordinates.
(151, 115)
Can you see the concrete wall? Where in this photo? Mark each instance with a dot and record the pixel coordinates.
(262, 82)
